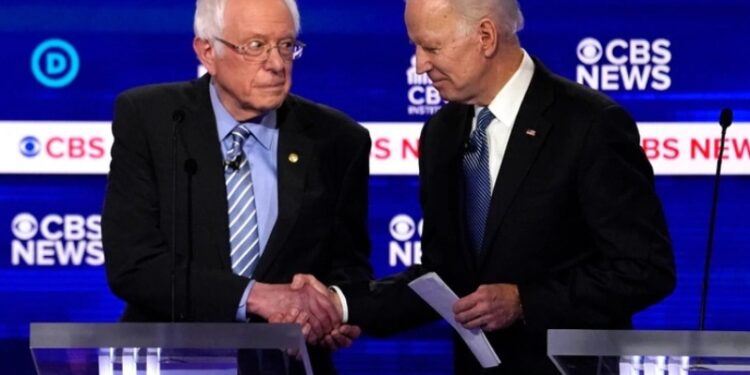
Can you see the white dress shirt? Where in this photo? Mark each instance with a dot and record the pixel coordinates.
(505, 107)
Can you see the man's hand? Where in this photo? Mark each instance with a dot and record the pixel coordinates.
(308, 307)
(491, 307)
(344, 335)
(341, 337)
(301, 280)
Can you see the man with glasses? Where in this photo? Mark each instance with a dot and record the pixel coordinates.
(248, 184)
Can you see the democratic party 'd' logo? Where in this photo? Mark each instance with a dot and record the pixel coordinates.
(55, 63)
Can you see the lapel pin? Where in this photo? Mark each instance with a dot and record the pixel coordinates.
(531, 132)
(293, 158)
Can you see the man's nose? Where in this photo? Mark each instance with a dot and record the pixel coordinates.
(424, 64)
(274, 61)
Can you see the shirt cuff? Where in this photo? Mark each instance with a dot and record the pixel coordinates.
(342, 299)
(242, 308)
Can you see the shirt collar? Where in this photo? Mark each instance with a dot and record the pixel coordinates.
(263, 129)
(507, 102)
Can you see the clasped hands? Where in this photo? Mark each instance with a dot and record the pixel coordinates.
(491, 307)
(306, 301)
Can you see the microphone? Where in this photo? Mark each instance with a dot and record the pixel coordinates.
(177, 117)
(234, 164)
(190, 167)
(725, 120)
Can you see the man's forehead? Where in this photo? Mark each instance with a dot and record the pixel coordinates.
(434, 27)
(428, 15)
(265, 13)
(246, 25)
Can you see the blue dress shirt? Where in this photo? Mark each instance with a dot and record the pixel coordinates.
(260, 150)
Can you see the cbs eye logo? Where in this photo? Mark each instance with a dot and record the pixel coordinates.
(403, 227)
(589, 51)
(30, 146)
(55, 63)
(24, 226)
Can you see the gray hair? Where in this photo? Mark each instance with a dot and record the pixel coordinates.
(506, 12)
(209, 19)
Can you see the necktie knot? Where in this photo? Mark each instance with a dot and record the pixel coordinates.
(239, 134)
(484, 118)
(477, 139)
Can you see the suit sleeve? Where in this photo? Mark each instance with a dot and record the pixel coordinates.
(387, 306)
(630, 264)
(136, 225)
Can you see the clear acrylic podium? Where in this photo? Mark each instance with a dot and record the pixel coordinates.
(649, 352)
(167, 349)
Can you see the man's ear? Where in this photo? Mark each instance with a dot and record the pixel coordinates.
(488, 36)
(206, 54)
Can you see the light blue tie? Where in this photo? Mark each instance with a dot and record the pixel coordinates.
(477, 192)
(243, 223)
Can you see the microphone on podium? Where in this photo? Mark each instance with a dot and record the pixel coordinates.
(725, 120)
(190, 167)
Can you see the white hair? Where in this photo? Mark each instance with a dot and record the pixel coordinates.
(209, 19)
(507, 13)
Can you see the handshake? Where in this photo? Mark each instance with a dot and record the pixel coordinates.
(306, 301)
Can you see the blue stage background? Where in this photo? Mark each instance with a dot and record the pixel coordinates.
(357, 59)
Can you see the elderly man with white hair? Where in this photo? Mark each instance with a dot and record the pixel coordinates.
(539, 204)
(222, 188)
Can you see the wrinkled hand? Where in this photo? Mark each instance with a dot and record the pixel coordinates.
(301, 280)
(491, 307)
(340, 337)
(344, 335)
(309, 307)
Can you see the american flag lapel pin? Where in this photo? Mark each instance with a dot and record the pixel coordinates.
(531, 132)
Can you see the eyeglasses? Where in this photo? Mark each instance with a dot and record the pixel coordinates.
(258, 50)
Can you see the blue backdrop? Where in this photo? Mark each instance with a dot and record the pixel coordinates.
(691, 57)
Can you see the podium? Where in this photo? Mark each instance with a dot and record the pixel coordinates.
(167, 348)
(649, 352)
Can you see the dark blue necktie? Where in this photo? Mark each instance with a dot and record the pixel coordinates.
(477, 192)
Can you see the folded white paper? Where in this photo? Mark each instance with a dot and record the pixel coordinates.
(440, 297)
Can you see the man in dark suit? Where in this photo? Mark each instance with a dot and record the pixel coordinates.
(246, 183)
(539, 206)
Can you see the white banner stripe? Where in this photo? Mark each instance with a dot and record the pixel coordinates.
(77, 147)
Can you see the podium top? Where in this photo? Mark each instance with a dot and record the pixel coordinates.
(165, 335)
(573, 342)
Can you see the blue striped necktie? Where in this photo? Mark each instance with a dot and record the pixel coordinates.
(243, 223)
(477, 191)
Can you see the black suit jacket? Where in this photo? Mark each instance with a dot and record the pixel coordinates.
(574, 221)
(322, 204)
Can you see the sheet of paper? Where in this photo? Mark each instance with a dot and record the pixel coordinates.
(440, 297)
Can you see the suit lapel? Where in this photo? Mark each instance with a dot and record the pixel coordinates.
(209, 189)
(290, 179)
(526, 139)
